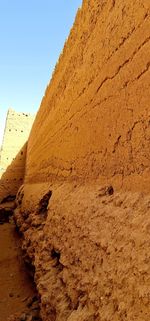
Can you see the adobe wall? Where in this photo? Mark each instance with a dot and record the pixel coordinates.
(13, 151)
(94, 118)
(83, 210)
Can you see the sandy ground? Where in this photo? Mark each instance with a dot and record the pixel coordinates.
(15, 285)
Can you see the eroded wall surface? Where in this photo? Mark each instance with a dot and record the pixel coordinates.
(94, 117)
(83, 211)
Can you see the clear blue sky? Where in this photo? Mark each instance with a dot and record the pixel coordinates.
(32, 35)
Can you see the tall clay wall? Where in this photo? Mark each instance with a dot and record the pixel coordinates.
(94, 118)
(83, 210)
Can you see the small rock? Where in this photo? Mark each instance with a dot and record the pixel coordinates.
(11, 295)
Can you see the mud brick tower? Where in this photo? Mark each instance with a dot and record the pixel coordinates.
(16, 133)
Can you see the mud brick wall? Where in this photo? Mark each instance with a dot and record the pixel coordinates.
(83, 211)
(94, 118)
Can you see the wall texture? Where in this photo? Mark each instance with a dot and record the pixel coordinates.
(13, 151)
(94, 117)
(85, 232)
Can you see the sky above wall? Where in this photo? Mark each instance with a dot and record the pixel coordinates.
(32, 35)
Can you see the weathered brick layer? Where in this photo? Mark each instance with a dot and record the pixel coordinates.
(94, 117)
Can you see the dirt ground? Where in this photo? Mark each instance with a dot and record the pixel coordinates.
(15, 285)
